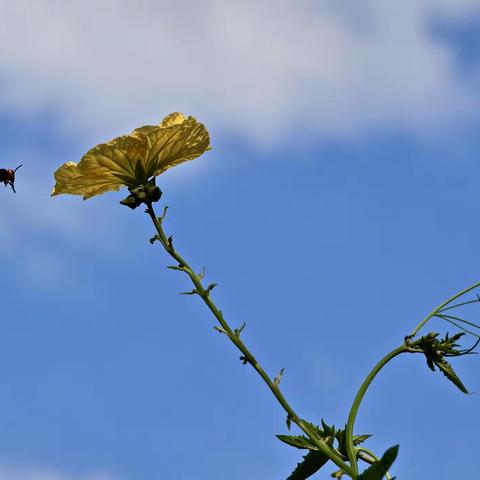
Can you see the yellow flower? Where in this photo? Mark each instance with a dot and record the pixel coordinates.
(131, 160)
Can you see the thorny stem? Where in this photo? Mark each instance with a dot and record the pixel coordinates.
(351, 450)
(234, 337)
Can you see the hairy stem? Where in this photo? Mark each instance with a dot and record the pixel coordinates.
(351, 450)
(234, 336)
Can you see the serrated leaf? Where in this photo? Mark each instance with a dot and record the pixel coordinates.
(312, 462)
(357, 440)
(297, 441)
(329, 431)
(327, 434)
(379, 469)
(449, 372)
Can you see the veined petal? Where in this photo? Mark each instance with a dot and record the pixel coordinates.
(105, 167)
(176, 140)
(70, 180)
(171, 119)
(131, 160)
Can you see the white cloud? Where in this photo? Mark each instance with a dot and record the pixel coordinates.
(260, 68)
(26, 473)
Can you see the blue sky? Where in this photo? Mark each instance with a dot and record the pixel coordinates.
(338, 207)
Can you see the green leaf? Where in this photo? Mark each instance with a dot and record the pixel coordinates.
(315, 459)
(357, 440)
(327, 434)
(312, 462)
(297, 441)
(435, 351)
(329, 431)
(449, 372)
(379, 469)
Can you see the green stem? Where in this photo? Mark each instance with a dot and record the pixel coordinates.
(436, 310)
(456, 305)
(351, 451)
(448, 319)
(458, 319)
(234, 336)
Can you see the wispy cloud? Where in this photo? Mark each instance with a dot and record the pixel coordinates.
(261, 68)
(266, 70)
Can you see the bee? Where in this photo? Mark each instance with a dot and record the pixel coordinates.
(7, 176)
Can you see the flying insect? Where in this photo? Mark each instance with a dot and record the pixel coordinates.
(7, 176)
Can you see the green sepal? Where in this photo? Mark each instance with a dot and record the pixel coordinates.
(379, 468)
(144, 193)
(152, 191)
(131, 202)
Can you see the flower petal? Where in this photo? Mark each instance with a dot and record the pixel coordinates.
(131, 160)
(104, 168)
(176, 140)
